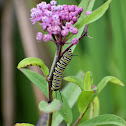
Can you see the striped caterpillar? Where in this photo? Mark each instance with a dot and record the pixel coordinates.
(59, 69)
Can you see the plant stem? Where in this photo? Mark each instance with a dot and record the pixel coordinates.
(85, 34)
(58, 54)
(50, 78)
(80, 117)
(67, 48)
(50, 119)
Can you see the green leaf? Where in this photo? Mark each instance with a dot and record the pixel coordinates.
(94, 111)
(105, 119)
(84, 100)
(95, 15)
(87, 81)
(85, 4)
(105, 81)
(90, 6)
(54, 106)
(31, 61)
(68, 2)
(37, 80)
(65, 110)
(23, 124)
(74, 80)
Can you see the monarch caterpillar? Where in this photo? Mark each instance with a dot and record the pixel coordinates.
(59, 69)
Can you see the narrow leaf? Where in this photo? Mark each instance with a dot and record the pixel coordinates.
(105, 81)
(54, 106)
(37, 80)
(31, 61)
(74, 80)
(84, 100)
(87, 81)
(85, 4)
(23, 124)
(90, 6)
(104, 120)
(95, 15)
(68, 2)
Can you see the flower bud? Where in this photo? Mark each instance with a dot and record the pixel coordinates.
(47, 37)
(39, 36)
(66, 8)
(88, 12)
(48, 6)
(74, 19)
(76, 7)
(67, 18)
(72, 22)
(94, 88)
(75, 41)
(71, 8)
(75, 13)
(63, 17)
(64, 32)
(64, 5)
(80, 10)
(70, 17)
(73, 30)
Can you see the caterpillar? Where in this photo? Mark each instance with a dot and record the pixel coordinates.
(59, 69)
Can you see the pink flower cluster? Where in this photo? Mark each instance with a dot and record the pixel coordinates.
(56, 20)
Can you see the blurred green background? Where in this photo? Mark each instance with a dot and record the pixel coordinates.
(103, 55)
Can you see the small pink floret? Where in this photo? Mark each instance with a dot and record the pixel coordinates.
(53, 2)
(73, 30)
(47, 37)
(64, 32)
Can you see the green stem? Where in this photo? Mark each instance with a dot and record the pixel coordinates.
(80, 117)
(50, 119)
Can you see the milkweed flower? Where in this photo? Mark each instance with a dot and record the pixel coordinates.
(56, 20)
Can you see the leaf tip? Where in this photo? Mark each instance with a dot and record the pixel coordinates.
(121, 84)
